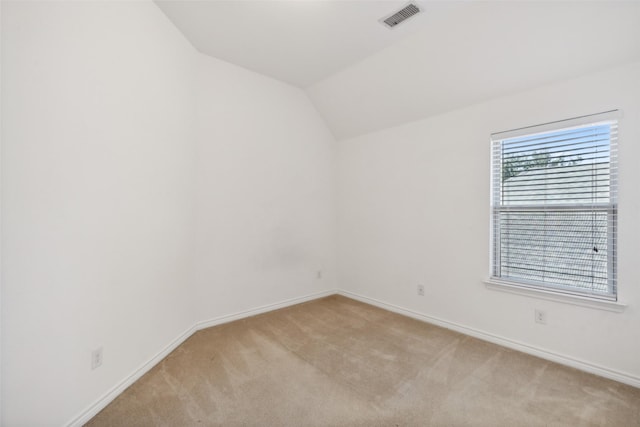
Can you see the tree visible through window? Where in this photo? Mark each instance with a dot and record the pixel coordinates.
(554, 208)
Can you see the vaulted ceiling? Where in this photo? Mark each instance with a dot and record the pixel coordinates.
(364, 77)
(297, 41)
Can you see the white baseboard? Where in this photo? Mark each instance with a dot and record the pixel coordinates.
(262, 309)
(109, 396)
(505, 342)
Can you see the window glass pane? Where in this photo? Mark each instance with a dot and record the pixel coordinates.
(565, 248)
(555, 209)
(564, 167)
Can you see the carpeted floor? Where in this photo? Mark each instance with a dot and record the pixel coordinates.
(338, 362)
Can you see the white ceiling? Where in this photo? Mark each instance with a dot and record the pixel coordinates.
(296, 41)
(364, 77)
(482, 51)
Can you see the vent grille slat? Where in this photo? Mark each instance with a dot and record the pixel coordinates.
(402, 15)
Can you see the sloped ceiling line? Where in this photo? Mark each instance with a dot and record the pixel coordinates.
(364, 77)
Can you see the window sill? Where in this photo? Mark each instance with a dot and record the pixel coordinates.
(496, 285)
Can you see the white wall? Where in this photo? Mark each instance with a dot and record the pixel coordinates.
(265, 207)
(146, 188)
(1, 281)
(413, 208)
(98, 187)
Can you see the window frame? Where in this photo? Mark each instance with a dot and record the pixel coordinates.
(550, 290)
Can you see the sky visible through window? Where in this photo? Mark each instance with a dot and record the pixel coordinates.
(567, 166)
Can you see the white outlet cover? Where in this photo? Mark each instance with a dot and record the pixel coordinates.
(540, 317)
(96, 358)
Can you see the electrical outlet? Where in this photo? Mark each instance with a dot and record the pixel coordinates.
(540, 316)
(319, 274)
(421, 290)
(96, 358)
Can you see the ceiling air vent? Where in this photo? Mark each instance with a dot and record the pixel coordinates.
(402, 15)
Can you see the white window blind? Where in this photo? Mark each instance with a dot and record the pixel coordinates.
(554, 202)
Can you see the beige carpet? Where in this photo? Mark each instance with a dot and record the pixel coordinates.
(338, 362)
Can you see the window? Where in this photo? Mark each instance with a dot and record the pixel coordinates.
(554, 206)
